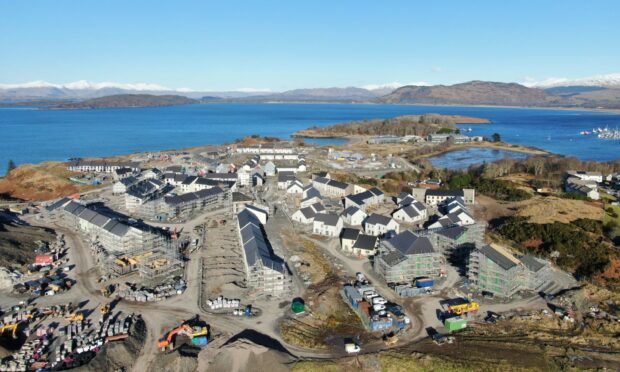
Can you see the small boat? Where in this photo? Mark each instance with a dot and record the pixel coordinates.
(584, 133)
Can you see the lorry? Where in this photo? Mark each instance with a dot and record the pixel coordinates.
(463, 308)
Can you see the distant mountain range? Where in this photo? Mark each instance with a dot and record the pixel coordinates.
(506, 94)
(596, 92)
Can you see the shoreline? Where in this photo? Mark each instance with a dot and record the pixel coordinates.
(489, 145)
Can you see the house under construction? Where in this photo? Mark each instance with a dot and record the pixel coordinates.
(265, 272)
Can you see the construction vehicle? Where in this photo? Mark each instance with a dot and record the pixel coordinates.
(460, 309)
(183, 329)
(78, 316)
(9, 327)
(167, 340)
(104, 310)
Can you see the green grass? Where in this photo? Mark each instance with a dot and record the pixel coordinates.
(607, 217)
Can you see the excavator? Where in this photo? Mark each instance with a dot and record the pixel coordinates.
(10, 327)
(105, 309)
(78, 316)
(183, 329)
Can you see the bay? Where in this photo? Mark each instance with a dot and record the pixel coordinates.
(32, 135)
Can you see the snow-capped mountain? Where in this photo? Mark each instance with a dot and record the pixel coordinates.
(607, 80)
(84, 89)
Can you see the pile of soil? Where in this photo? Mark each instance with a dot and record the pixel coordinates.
(181, 360)
(120, 355)
(18, 242)
(44, 181)
(251, 351)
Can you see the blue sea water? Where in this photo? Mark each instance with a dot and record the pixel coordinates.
(28, 135)
(462, 159)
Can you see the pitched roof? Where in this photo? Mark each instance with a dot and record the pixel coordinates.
(452, 232)
(378, 219)
(330, 219)
(350, 211)
(307, 212)
(393, 258)
(349, 233)
(532, 263)
(254, 242)
(367, 242)
(500, 256)
(240, 197)
(440, 192)
(409, 243)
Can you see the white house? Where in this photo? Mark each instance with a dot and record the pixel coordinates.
(262, 213)
(353, 216)
(378, 225)
(364, 199)
(411, 213)
(121, 186)
(310, 201)
(332, 188)
(459, 217)
(296, 187)
(348, 238)
(270, 169)
(152, 173)
(327, 224)
(285, 179)
(365, 245)
(586, 176)
(304, 215)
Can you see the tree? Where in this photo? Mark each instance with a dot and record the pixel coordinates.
(496, 137)
(10, 166)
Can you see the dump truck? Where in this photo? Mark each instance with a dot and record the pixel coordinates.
(464, 308)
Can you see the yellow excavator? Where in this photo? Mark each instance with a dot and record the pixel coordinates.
(105, 309)
(9, 327)
(78, 316)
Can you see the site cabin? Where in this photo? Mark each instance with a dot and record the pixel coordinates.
(44, 260)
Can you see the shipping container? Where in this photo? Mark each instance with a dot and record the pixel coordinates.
(424, 282)
(454, 324)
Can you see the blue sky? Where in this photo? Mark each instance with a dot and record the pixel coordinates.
(223, 45)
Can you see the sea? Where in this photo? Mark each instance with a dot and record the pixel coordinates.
(32, 135)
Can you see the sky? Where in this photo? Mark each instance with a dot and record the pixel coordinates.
(280, 45)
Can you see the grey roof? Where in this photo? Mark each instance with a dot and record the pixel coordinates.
(318, 207)
(240, 197)
(532, 263)
(131, 180)
(72, 207)
(254, 243)
(378, 219)
(120, 171)
(307, 212)
(57, 204)
(376, 191)
(453, 232)
(350, 211)
(338, 184)
(286, 176)
(222, 176)
(193, 196)
(330, 219)
(311, 192)
(409, 243)
(367, 242)
(393, 258)
(350, 234)
(410, 211)
(448, 193)
(100, 220)
(497, 257)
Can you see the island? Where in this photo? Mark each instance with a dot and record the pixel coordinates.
(127, 101)
(419, 125)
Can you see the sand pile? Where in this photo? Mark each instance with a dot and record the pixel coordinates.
(250, 351)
